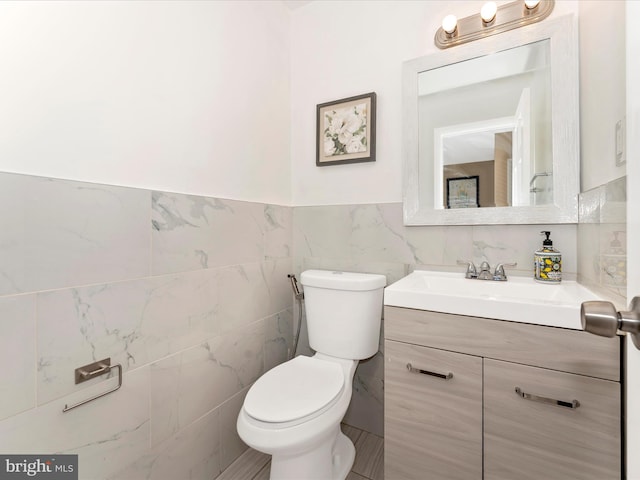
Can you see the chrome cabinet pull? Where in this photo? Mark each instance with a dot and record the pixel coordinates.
(551, 401)
(444, 376)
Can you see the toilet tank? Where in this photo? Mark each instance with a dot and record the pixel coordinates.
(343, 312)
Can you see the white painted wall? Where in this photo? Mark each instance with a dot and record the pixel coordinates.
(602, 87)
(341, 49)
(185, 96)
(633, 229)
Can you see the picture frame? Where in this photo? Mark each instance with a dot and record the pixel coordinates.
(463, 192)
(346, 130)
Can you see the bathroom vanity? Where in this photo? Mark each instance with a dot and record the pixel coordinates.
(468, 397)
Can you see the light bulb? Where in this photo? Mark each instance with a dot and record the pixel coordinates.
(531, 4)
(449, 24)
(488, 12)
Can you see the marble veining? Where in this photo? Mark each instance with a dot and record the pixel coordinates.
(217, 369)
(134, 323)
(60, 233)
(193, 453)
(602, 242)
(278, 231)
(191, 232)
(278, 338)
(171, 218)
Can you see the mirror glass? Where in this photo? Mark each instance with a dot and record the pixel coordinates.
(491, 135)
(491, 120)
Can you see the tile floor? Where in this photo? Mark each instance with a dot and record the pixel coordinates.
(368, 465)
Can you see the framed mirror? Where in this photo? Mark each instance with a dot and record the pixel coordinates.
(505, 110)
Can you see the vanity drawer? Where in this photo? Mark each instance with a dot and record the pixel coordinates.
(433, 425)
(561, 349)
(527, 438)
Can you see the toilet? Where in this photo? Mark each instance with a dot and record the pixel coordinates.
(293, 412)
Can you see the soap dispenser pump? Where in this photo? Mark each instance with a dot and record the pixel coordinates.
(547, 262)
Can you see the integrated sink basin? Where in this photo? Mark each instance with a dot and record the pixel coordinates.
(519, 299)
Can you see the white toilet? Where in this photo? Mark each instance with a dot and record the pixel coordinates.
(293, 412)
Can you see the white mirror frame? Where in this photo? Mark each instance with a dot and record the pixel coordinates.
(563, 35)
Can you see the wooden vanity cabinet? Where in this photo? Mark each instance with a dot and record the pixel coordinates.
(508, 409)
(450, 410)
(529, 439)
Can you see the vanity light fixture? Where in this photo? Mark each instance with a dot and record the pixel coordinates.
(491, 20)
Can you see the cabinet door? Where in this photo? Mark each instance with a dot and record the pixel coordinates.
(529, 435)
(433, 425)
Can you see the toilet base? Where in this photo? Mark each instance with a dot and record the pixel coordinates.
(344, 454)
(331, 460)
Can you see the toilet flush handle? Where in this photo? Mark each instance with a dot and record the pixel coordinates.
(602, 318)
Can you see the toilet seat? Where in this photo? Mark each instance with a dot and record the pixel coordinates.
(294, 391)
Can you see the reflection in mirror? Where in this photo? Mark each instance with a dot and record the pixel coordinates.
(490, 117)
(503, 110)
(486, 154)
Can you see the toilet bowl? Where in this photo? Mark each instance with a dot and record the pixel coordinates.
(293, 412)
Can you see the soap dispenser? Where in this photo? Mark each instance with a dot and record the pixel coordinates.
(547, 262)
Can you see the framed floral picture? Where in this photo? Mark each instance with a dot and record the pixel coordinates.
(346, 131)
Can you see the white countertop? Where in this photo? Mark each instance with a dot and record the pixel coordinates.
(519, 299)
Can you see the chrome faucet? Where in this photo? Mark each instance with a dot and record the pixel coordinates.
(498, 275)
(471, 269)
(485, 271)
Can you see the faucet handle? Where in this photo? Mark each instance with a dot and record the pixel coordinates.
(485, 271)
(471, 268)
(499, 273)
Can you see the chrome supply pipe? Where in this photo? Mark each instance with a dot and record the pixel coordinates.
(299, 296)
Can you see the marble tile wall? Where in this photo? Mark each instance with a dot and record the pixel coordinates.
(189, 294)
(602, 241)
(372, 238)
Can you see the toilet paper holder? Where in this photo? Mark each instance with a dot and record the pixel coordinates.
(92, 370)
(602, 318)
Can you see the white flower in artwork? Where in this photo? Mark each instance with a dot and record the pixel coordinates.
(335, 122)
(355, 145)
(329, 147)
(344, 137)
(345, 130)
(353, 122)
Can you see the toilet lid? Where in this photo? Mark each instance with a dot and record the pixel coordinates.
(294, 389)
